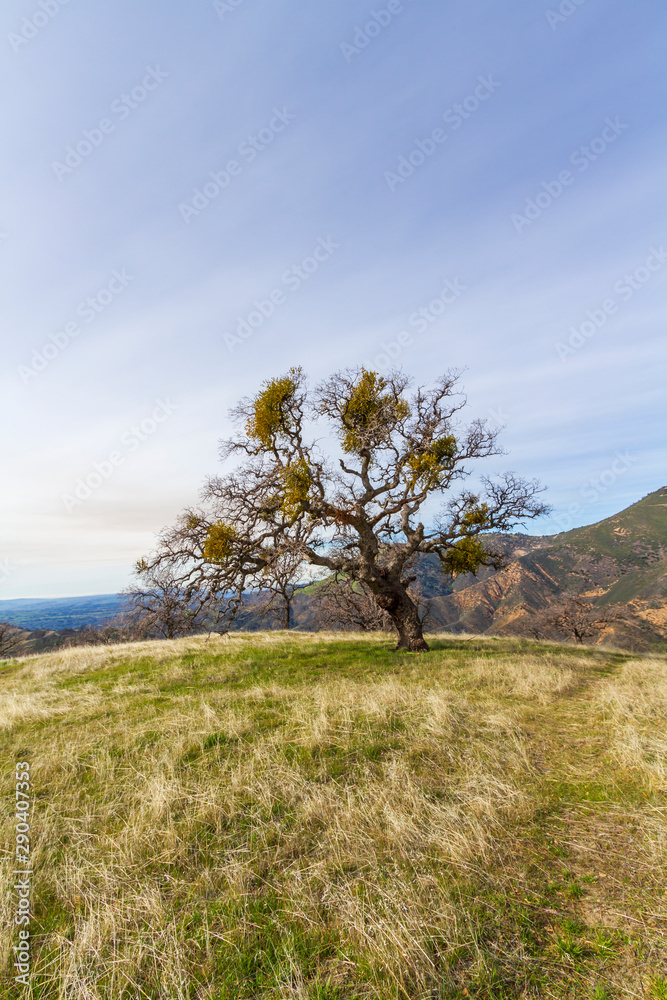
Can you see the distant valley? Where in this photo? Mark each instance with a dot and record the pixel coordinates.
(60, 612)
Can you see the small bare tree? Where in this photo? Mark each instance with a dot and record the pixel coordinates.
(10, 639)
(280, 583)
(573, 617)
(161, 609)
(119, 628)
(344, 604)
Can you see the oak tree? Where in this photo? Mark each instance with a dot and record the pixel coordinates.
(350, 503)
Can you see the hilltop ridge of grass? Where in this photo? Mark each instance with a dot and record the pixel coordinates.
(318, 816)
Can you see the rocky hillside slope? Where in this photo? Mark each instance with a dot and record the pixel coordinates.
(621, 560)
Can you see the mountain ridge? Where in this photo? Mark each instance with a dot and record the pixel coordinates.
(621, 559)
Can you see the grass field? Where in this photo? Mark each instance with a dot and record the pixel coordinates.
(318, 816)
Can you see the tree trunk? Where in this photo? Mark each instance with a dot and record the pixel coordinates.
(287, 620)
(395, 600)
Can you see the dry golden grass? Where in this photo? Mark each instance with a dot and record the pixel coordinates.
(542, 677)
(636, 703)
(304, 816)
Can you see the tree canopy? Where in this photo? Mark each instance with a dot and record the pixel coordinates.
(351, 502)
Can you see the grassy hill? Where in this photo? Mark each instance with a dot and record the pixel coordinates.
(637, 536)
(320, 817)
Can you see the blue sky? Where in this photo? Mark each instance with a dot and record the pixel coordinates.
(478, 186)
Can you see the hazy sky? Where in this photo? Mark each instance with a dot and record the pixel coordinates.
(198, 196)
